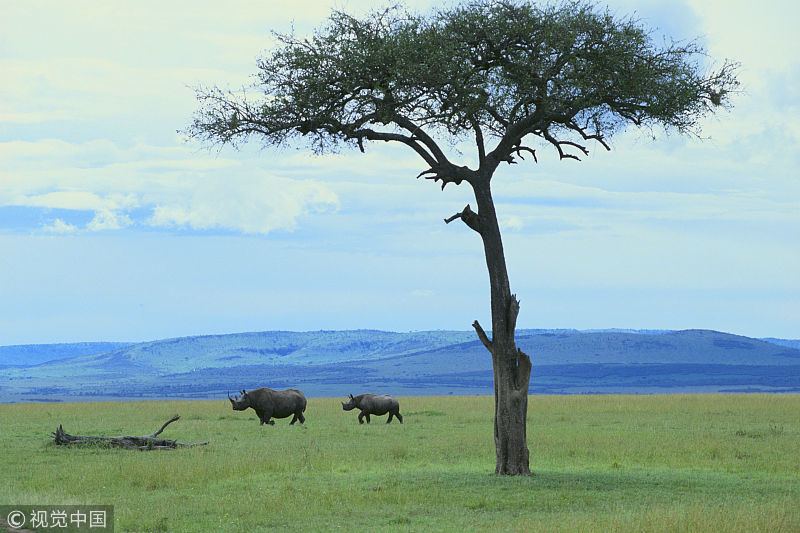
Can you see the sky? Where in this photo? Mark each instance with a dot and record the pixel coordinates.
(114, 228)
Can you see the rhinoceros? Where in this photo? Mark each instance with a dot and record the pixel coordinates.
(268, 404)
(372, 404)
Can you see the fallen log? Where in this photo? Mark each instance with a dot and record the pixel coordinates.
(140, 442)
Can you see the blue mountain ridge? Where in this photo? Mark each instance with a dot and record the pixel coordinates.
(335, 363)
(34, 354)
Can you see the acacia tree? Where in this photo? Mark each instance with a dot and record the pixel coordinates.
(501, 74)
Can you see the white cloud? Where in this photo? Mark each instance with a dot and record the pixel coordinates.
(109, 209)
(79, 200)
(60, 227)
(179, 186)
(512, 223)
(256, 205)
(135, 59)
(106, 219)
(762, 36)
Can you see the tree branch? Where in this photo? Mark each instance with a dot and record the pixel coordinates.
(511, 142)
(597, 137)
(469, 217)
(168, 422)
(558, 144)
(482, 336)
(448, 173)
(479, 141)
(372, 135)
(518, 150)
(418, 132)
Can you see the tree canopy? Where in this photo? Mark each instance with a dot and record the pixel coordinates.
(503, 71)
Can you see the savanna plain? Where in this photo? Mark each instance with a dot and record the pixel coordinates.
(600, 463)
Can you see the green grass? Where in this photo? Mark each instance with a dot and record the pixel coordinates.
(601, 463)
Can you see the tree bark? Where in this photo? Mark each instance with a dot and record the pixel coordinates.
(512, 367)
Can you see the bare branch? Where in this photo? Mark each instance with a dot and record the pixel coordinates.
(417, 132)
(429, 171)
(373, 135)
(445, 179)
(168, 422)
(482, 336)
(519, 149)
(558, 144)
(469, 217)
(597, 137)
(448, 173)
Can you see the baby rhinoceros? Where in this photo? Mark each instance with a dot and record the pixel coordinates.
(372, 404)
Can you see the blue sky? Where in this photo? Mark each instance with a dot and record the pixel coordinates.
(112, 227)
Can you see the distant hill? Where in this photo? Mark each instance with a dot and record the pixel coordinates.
(34, 354)
(791, 343)
(333, 363)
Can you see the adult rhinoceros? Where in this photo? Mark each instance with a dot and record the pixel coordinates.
(268, 403)
(372, 404)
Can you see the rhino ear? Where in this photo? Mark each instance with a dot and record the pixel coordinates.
(351, 396)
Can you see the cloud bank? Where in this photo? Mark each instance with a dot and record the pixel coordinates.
(112, 227)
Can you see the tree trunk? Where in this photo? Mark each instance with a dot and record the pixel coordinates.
(511, 379)
(512, 368)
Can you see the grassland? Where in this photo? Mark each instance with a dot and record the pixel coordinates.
(601, 463)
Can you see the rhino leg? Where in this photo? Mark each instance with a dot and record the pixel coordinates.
(361, 417)
(296, 417)
(399, 416)
(265, 418)
(391, 414)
